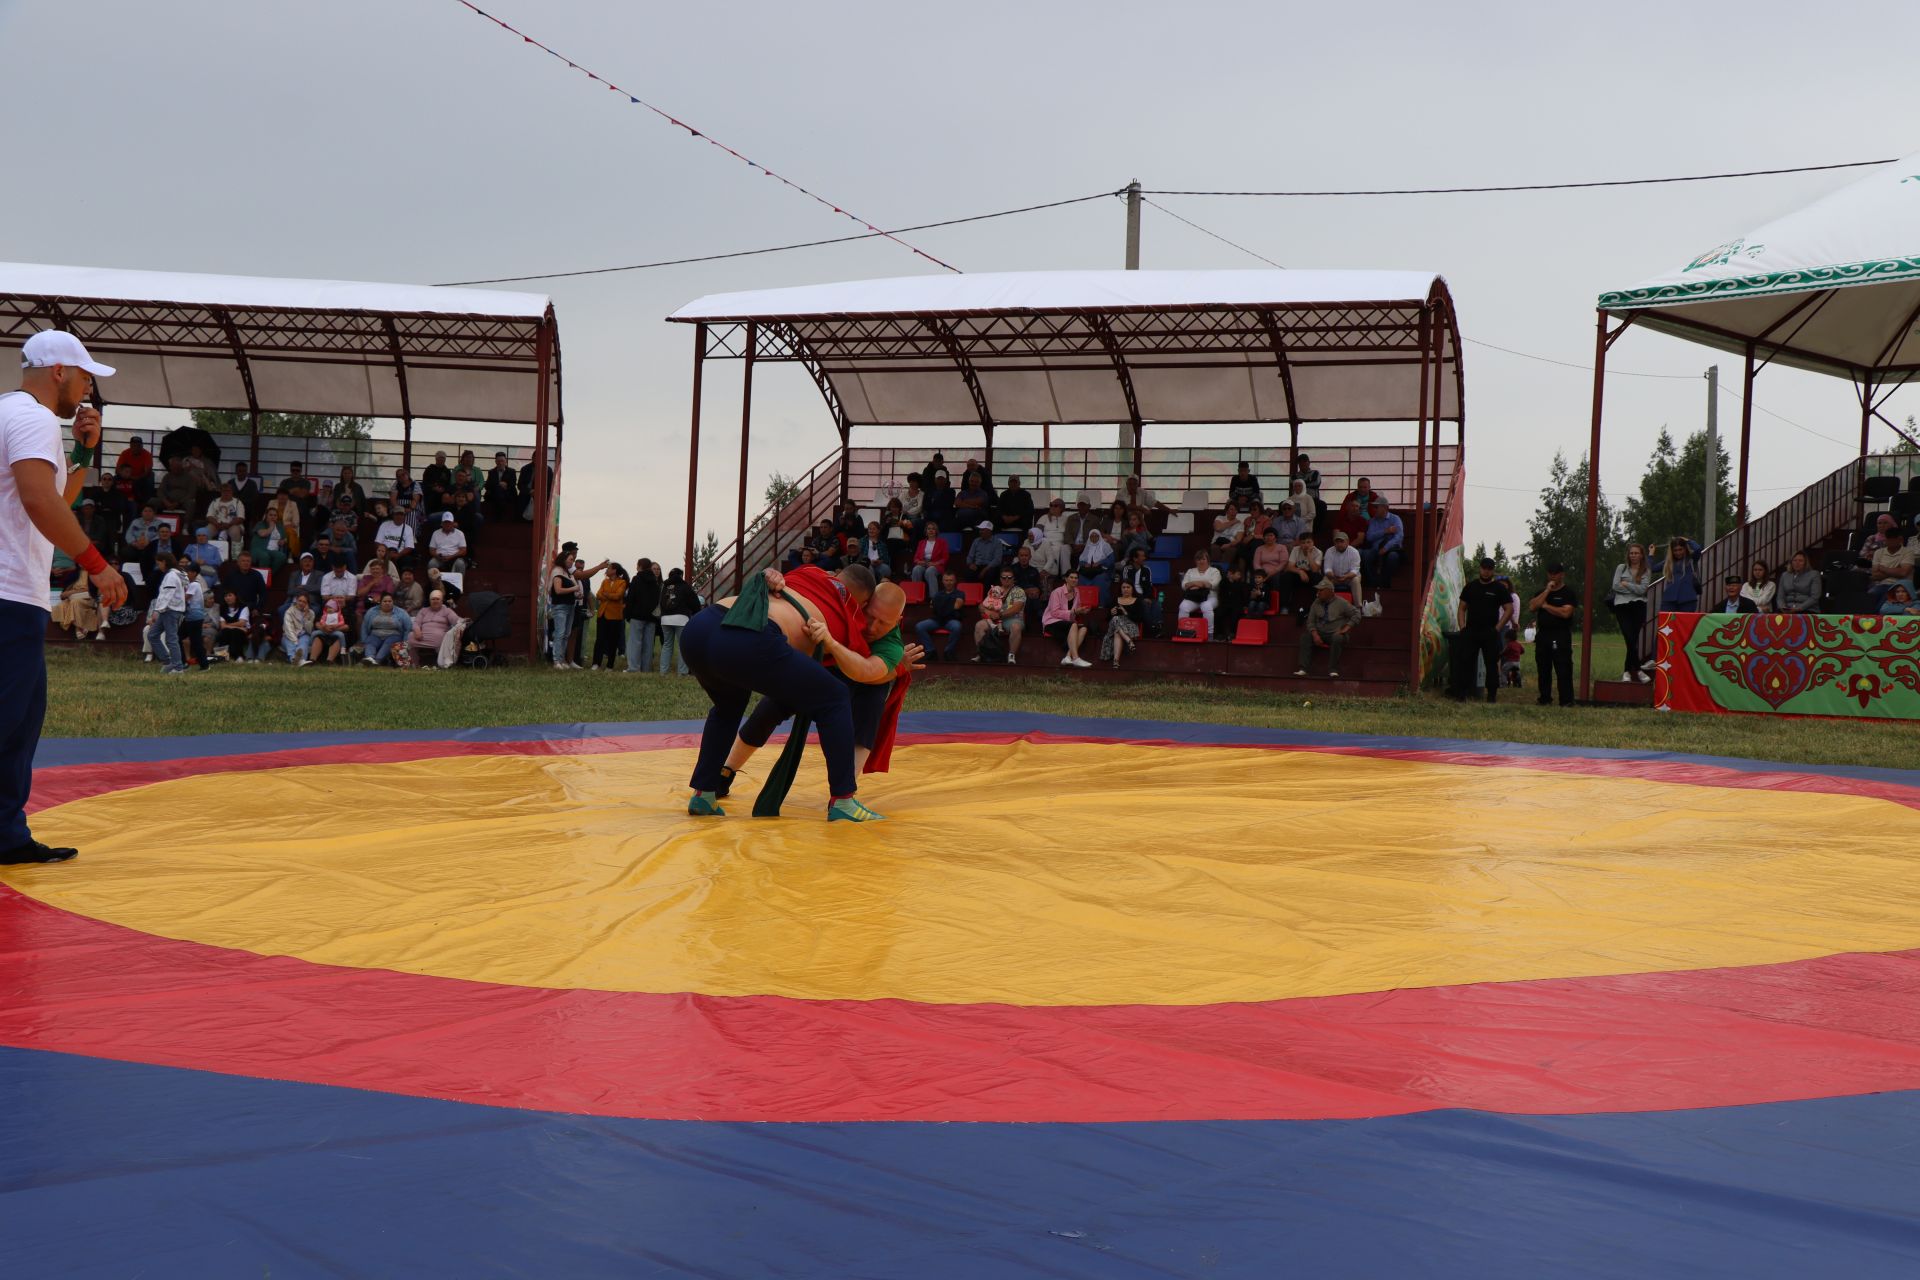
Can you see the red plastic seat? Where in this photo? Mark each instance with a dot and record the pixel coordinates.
(1190, 630)
(972, 593)
(916, 591)
(1251, 631)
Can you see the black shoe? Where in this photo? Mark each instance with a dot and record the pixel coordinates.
(1543, 702)
(34, 851)
(726, 782)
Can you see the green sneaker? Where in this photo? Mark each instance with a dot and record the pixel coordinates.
(705, 805)
(851, 810)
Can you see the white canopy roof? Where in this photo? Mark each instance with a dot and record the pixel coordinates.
(1000, 292)
(1108, 346)
(1834, 286)
(190, 341)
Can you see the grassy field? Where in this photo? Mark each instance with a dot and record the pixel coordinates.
(97, 696)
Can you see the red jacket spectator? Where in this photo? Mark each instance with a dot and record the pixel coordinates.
(135, 455)
(931, 551)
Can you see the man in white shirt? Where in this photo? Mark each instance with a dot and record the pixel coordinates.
(1342, 565)
(448, 546)
(396, 535)
(225, 509)
(339, 581)
(36, 515)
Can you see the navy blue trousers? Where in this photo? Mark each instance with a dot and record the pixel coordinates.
(869, 704)
(732, 665)
(23, 708)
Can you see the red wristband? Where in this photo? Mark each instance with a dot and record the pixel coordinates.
(91, 560)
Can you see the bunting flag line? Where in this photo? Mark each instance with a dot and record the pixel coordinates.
(636, 100)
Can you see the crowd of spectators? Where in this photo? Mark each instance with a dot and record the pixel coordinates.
(1003, 564)
(636, 616)
(231, 568)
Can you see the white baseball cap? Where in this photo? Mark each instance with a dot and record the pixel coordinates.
(50, 347)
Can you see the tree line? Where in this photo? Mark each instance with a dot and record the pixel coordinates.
(1670, 503)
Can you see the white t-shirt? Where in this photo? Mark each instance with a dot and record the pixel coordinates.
(447, 542)
(396, 535)
(28, 430)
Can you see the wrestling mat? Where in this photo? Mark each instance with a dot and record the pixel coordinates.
(1102, 999)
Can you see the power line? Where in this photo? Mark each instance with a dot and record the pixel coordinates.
(708, 138)
(1569, 364)
(784, 248)
(1204, 231)
(1541, 186)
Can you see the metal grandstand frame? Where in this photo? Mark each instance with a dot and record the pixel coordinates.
(1347, 344)
(299, 346)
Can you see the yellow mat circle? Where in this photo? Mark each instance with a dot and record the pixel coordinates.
(1024, 873)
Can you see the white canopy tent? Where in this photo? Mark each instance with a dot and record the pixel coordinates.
(188, 341)
(1043, 346)
(260, 345)
(1833, 287)
(1121, 347)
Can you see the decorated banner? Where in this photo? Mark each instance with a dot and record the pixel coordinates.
(1798, 664)
(1443, 595)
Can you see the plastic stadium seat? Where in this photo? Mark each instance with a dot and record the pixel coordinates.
(1012, 540)
(955, 543)
(1879, 488)
(916, 591)
(1273, 604)
(1089, 597)
(1251, 631)
(1195, 500)
(1180, 522)
(972, 593)
(1168, 547)
(1162, 571)
(1190, 630)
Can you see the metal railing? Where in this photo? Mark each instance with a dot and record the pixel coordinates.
(778, 528)
(322, 457)
(1809, 517)
(1170, 473)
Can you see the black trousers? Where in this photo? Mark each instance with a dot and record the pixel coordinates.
(23, 708)
(609, 640)
(1633, 620)
(1486, 647)
(1553, 656)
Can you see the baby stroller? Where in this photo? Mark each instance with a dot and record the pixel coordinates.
(492, 619)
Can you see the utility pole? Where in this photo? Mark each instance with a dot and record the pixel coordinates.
(1125, 437)
(1712, 487)
(1133, 225)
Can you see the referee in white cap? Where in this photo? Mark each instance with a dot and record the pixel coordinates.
(36, 515)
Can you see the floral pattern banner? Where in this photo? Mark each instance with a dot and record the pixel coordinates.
(1797, 664)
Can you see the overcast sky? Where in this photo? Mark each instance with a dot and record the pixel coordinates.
(409, 140)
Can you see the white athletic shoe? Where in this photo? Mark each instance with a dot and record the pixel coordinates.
(1081, 662)
(1067, 662)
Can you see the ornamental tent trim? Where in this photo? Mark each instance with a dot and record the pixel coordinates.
(1175, 348)
(1833, 287)
(188, 341)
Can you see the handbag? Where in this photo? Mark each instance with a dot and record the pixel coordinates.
(1198, 595)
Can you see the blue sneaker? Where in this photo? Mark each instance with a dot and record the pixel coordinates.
(704, 805)
(851, 810)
